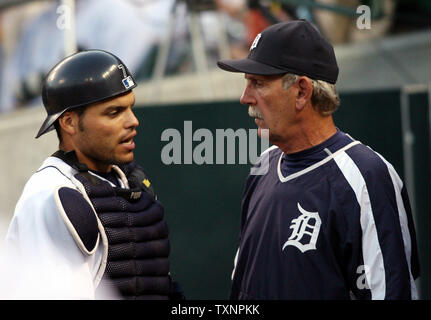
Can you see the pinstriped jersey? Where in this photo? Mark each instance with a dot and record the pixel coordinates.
(330, 222)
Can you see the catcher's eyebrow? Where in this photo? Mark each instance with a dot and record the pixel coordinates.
(117, 105)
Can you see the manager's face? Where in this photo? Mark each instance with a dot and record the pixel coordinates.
(270, 105)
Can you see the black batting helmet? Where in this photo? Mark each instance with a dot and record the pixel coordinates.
(81, 79)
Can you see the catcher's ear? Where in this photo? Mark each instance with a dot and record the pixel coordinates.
(68, 122)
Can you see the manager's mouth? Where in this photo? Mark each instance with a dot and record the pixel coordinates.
(255, 113)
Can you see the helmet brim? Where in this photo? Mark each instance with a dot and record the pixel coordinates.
(48, 124)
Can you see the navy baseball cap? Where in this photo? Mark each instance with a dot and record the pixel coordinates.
(288, 47)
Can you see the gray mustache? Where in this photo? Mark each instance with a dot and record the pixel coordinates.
(254, 112)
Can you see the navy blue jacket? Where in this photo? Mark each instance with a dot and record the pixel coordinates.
(330, 222)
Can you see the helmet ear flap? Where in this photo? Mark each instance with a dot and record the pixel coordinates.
(81, 79)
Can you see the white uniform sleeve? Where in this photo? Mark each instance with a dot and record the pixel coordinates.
(47, 261)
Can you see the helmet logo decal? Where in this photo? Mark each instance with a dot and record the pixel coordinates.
(127, 80)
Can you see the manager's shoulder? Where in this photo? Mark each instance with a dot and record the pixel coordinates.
(368, 159)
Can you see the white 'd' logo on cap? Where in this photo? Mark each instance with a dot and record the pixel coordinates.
(256, 40)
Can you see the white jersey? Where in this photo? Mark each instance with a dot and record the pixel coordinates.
(49, 262)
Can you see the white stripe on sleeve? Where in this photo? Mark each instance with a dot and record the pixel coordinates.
(371, 250)
(398, 185)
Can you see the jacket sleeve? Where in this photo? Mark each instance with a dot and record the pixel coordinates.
(381, 262)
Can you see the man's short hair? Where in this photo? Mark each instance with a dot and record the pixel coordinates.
(324, 99)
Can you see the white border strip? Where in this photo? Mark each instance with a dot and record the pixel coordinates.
(104, 260)
(314, 166)
(268, 150)
(371, 251)
(70, 225)
(398, 185)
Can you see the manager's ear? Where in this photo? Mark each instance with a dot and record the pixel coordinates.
(69, 122)
(304, 93)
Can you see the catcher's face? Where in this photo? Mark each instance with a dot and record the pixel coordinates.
(105, 133)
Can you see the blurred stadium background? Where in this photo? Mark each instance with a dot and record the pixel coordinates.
(172, 47)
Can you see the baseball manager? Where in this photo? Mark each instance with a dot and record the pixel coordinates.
(331, 218)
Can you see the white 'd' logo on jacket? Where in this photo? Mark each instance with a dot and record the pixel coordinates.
(307, 224)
